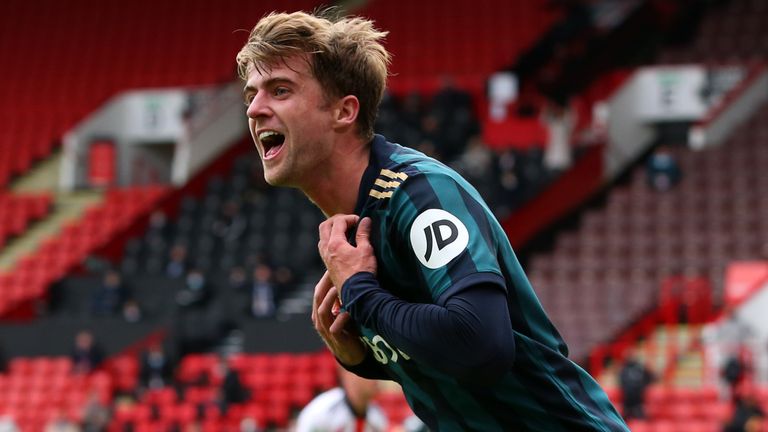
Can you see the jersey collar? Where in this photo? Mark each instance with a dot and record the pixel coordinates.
(380, 151)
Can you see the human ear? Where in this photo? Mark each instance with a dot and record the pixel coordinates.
(347, 110)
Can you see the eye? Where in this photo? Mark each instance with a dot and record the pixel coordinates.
(248, 99)
(280, 91)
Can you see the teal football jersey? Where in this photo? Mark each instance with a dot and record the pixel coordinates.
(433, 236)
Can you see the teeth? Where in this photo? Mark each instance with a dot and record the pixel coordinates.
(267, 134)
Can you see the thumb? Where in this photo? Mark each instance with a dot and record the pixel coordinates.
(362, 237)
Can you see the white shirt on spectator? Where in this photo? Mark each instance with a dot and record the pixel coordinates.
(330, 412)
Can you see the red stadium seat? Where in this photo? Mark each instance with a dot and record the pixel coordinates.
(165, 396)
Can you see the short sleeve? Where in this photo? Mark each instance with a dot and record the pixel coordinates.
(447, 233)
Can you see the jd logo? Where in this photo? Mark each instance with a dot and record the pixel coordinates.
(439, 240)
(437, 237)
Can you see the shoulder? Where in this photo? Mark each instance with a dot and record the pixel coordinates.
(321, 405)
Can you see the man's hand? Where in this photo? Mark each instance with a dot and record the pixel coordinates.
(341, 258)
(335, 328)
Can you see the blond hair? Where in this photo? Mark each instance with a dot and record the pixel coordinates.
(345, 55)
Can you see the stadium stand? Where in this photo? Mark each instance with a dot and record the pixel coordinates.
(19, 211)
(36, 389)
(729, 33)
(277, 387)
(465, 41)
(27, 282)
(145, 45)
(596, 282)
(641, 236)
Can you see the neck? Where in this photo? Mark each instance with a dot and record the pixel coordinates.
(335, 190)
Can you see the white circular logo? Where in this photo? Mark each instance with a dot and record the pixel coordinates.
(437, 237)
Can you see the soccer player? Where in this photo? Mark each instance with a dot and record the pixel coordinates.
(422, 284)
(347, 408)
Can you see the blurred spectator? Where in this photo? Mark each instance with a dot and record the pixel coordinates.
(109, 298)
(177, 263)
(59, 422)
(3, 359)
(262, 292)
(559, 120)
(634, 379)
(427, 146)
(412, 113)
(478, 164)
(237, 280)
(344, 408)
(747, 416)
(502, 91)
(731, 339)
(7, 424)
(86, 354)
(156, 368)
(230, 223)
(452, 109)
(284, 279)
(231, 390)
(131, 311)
(249, 424)
(662, 170)
(733, 372)
(196, 291)
(95, 414)
(511, 184)
(158, 224)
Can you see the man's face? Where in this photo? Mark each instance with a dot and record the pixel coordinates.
(290, 121)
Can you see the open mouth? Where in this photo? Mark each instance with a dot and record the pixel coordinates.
(272, 142)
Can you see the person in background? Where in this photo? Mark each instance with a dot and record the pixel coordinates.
(262, 292)
(748, 416)
(109, 298)
(7, 424)
(132, 312)
(347, 408)
(3, 359)
(662, 170)
(155, 367)
(197, 292)
(95, 414)
(634, 379)
(60, 422)
(559, 121)
(231, 390)
(86, 355)
(177, 262)
(237, 280)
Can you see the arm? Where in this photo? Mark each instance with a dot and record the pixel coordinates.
(469, 335)
(333, 325)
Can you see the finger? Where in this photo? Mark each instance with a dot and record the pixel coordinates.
(324, 231)
(341, 225)
(340, 322)
(363, 235)
(321, 289)
(324, 314)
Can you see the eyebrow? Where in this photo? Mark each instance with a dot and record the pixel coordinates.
(268, 83)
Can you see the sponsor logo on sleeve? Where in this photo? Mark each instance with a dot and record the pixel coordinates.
(437, 237)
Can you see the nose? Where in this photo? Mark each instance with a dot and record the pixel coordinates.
(258, 107)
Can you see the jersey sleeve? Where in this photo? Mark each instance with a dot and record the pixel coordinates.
(445, 232)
